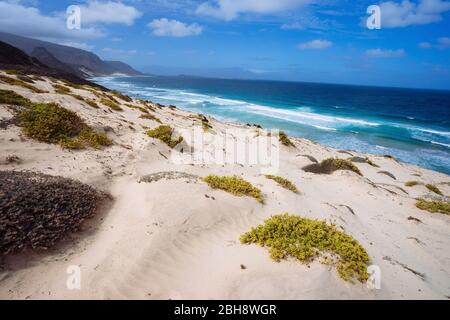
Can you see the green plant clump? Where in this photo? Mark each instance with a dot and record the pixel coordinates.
(113, 105)
(285, 183)
(434, 206)
(434, 189)
(329, 165)
(122, 96)
(61, 89)
(306, 239)
(164, 133)
(411, 183)
(234, 185)
(150, 117)
(13, 98)
(53, 124)
(20, 83)
(284, 139)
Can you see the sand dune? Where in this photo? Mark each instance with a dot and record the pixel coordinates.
(179, 239)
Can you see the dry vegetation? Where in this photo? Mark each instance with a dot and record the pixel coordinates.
(37, 210)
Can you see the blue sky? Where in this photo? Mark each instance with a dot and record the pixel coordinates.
(295, 40)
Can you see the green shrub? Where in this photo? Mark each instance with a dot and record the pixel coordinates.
(234, 185)
(411, 183)
(329, 165)
(20, 83)
(142, 109)
(283, 182)
(53, 124)
(150, 117)
(434, 206)
(306, 239)
(164, 133)
(91, 103)
(13, 98)
(284, 139)
(122, 96)
(434, 189)
(113, 105)
(61, 89)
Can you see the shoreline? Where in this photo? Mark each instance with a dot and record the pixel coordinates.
(166, 234)
(361, 140)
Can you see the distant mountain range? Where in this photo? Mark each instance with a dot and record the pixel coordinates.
(68, 59)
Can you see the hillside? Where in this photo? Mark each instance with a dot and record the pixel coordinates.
(84, 62)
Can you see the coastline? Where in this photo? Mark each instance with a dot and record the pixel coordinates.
(409, 136)
(167, 238)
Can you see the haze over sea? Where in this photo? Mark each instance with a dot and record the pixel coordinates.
(412, 125)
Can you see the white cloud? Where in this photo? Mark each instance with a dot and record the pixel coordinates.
(231, 9)
(173, 28)
(382, 53)
(425, 45)
(408, 13)
(29, 21)
(108, 12)
(315, 44)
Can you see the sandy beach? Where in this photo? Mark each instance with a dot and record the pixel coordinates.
(167, 235)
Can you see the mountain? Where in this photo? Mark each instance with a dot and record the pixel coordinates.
(49, 60)
(10, 55)
(12, 58)
(82, 61)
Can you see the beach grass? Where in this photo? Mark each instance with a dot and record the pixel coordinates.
(234, 185)
(305, 239)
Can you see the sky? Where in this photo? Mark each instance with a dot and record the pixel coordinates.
(291, 40)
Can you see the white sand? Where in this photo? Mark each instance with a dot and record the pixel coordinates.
(170, 240)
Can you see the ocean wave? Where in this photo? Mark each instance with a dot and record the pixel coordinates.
(292, 115)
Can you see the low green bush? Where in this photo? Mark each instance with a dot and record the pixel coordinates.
(329, 165)
(284, 139)
(306, 239)
(234, 185)
(20, 83)
(434, 189)
(53, 124)
(285, 183)
(434, 206)
(164, 133)
(113, 105)
(411, 183)
(150, 117)
(13, 98)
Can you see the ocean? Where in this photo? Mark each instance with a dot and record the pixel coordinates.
(412, 125)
